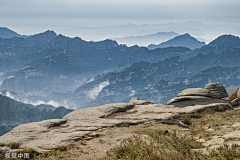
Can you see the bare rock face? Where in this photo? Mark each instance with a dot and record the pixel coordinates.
(195, 92)
(232, 135)
(50, 134)
(238, 93)
(217, 89)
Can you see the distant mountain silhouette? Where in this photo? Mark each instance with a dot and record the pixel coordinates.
(47, 66)
(185, 40)
(220, 44)
(12, 115)
(8, 33)
(146, 39)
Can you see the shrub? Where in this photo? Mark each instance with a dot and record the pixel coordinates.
(233, 96)
(148, 103)
(14, 145)
(32, 152)
(62, 148)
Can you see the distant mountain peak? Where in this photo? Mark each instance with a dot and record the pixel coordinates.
(187, 34)
(8, 33)
(185, 40)
(48, 32)
(226, 39)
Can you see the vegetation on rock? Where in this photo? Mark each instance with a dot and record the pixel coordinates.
(233, 96)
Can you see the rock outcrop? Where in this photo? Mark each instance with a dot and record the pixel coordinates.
(217, 89)
(50, 134)
(200, 96)
(238, 93)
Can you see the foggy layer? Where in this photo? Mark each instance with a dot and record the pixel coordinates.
(31, 16)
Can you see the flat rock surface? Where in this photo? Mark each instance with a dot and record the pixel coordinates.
(193, 100)
(195, 92)
(216, 141)
(50, 134)
(236, 125)
(232, 135)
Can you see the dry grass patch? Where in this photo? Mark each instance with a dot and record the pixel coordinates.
(172, 142)
(159, 145)
(214, 120)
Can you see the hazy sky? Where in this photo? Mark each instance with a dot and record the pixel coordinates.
(32, 16)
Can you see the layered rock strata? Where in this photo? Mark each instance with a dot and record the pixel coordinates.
(50, 134)
(200, 96)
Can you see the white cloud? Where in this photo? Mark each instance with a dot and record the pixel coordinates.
(133, 92)
(97, 89)
(90, 80)
(53, 103)
(39, 102)
(8, 94)
(66, 104)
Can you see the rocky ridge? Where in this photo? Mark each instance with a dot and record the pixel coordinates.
(50, 134)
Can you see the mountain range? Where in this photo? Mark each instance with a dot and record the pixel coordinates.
(78, 73)
(50, 62)
(146, 39)
(165, 90)
(145, 75)
(8, 33)
(14, 113)
(203, 31)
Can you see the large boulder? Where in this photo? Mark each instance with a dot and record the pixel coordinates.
(217, 89)
(195, 92)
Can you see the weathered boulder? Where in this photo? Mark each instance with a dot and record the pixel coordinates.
(195, 92)
(138, 101)
(217, 89)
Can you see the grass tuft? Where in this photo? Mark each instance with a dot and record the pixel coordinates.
(14, 145)
(62, 148)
